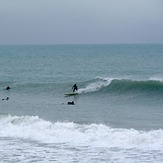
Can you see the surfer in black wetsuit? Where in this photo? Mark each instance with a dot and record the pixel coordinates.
(8, 87)
(75, 88)
(6, 98)
(71, 103)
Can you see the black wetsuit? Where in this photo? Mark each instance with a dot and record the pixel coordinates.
(75, 88)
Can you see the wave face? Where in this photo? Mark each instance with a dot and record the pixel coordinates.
(116, 85)
(98, 141)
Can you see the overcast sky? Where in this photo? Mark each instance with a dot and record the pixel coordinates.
(81, 21)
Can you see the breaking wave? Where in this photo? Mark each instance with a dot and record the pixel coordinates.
(93, 135)
(97, 85)
(117, 85)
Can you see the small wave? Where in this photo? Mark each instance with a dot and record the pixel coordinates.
(119, 85)
(97, 85)
(93, 135)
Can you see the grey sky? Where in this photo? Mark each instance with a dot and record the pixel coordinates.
(81, 21)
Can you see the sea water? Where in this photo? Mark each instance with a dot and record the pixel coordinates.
(118, 112)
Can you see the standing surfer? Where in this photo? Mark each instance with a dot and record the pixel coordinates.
(75, 88)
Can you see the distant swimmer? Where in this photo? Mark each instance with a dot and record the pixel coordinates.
(6, 98)
(75, 88)
(71, 103)
(8, 87)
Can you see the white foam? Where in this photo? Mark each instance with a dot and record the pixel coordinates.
(93, 135)
(95, 86)
(156, 79)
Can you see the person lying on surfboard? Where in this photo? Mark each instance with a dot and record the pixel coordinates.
(75, 88)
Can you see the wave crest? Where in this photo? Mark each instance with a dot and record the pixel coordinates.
(96, 135)
(118, 85)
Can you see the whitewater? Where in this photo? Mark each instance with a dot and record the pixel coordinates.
(28, 138)
(117, 116)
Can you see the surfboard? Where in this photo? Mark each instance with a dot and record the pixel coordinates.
(71, 94)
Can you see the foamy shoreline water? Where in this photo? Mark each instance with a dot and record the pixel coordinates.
(46, 140)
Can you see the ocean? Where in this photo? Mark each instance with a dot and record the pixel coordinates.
(118, 111)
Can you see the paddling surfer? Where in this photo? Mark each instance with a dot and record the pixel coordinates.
(75, 88)
(7, 88)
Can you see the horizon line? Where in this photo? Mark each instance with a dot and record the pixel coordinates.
(78, 43)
